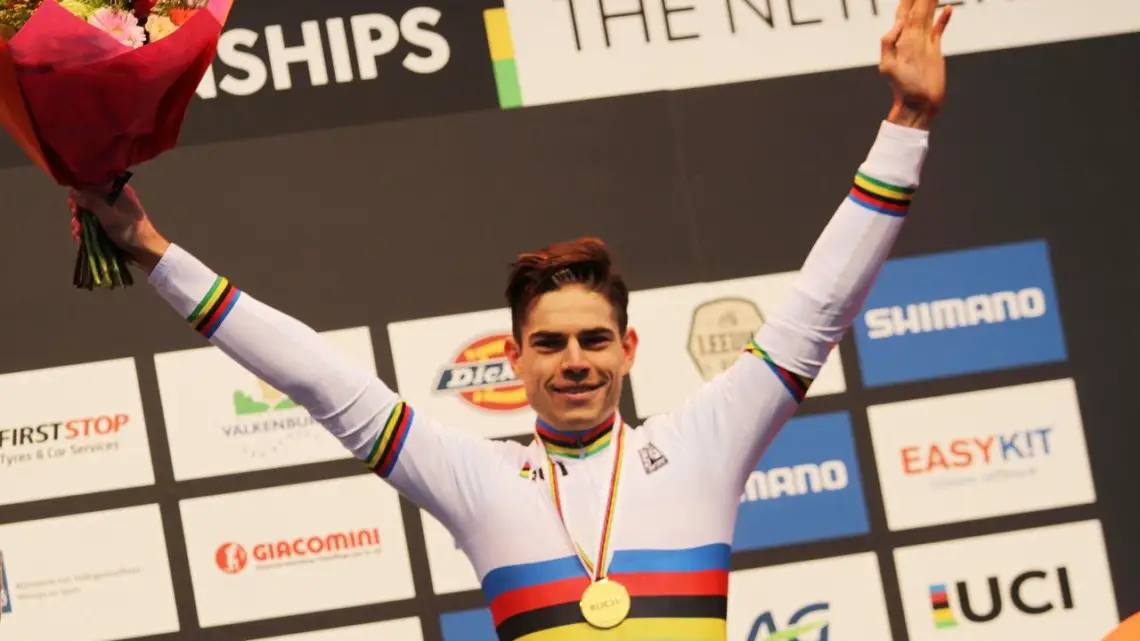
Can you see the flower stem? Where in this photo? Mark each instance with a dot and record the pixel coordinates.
(100, 262)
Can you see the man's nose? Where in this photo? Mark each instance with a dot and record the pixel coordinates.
(574, 366)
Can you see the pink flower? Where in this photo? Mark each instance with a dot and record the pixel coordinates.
(123, 26)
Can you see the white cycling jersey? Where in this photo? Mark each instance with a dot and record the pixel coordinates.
(682, 472)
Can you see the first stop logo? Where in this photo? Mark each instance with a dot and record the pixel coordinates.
(70, 430)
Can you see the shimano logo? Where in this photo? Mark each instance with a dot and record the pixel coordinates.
(955, 313)
(807, 478)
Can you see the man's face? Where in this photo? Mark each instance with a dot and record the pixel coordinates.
(572, 358)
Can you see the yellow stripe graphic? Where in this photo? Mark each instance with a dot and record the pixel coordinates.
(499, 34)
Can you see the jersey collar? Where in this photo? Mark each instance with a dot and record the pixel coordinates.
(580, 444)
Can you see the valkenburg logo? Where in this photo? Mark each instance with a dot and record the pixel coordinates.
(88, 435)
(482, 376)
(271, 400)
(232, 558)
(268, 421)
(720, 331)
(373, 35)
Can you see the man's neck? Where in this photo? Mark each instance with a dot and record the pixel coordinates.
(577, 443)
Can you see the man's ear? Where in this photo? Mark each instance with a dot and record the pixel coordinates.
(629, 342)
(514, 353)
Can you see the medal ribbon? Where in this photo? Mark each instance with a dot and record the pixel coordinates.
(596, 572)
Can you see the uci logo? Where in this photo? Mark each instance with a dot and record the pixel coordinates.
(482, 376)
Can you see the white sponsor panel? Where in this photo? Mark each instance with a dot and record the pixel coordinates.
(397, 630)
(451, 570)
(981, 454)
(840, 598)
(296, 549)
(221, 419)
(72, 430)
(454, 369)
(97, 576)
(1044, 583)
(691, 333)
(581, 49)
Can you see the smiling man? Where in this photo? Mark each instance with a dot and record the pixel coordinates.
(594, 530)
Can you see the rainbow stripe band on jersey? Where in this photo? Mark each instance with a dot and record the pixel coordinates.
(575, 444)
(207, 317)
(879, 196)
(797, 385)
(386, 450)
(674, 594)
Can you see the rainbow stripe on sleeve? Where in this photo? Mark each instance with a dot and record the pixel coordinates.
(880, 197)
(797, 385)
(207, 317)
(390, 442)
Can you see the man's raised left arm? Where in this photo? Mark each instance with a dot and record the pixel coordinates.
(736, 416)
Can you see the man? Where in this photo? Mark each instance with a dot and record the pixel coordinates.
(573, 537)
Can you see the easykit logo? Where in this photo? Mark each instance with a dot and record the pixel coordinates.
(234, 558)
(482, 376)
(959, 313)
(982, 458)
(248, 61)
(1035, 592)
(809, 623)
(720, 331)
(87, 435)
(807, 487)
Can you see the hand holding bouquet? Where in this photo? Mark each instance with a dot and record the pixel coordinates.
(91, 88)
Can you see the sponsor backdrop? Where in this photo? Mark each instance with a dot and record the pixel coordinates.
(961, 470)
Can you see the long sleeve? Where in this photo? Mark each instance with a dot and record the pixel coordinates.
(734, 417)
(437, 467)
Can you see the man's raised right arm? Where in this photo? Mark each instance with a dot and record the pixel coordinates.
(434, 466)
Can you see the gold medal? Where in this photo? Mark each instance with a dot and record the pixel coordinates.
(605, 604)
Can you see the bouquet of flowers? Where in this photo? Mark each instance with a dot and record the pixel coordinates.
(91, 88)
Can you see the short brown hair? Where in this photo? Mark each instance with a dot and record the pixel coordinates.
(584, 261)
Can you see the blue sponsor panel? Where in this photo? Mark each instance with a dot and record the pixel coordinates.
(807, 487)
(960, 312)
(468, 625)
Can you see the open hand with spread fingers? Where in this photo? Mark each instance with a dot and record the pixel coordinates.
(913, 63)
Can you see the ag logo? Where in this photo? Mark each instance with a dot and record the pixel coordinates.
(720, 331)
(482, 376)
(765, 628)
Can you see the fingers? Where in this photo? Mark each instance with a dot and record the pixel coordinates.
(903, 10)
(887, 44)
(94, 201)
(940, 26)
(922, 13)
